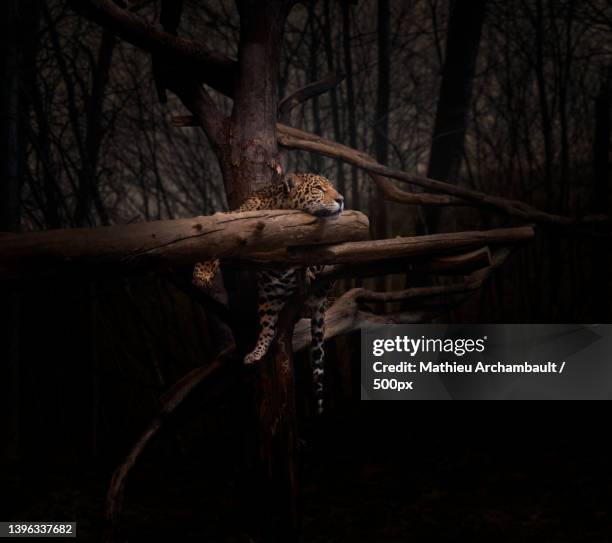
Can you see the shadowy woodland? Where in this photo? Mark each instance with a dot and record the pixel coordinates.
(430, 117)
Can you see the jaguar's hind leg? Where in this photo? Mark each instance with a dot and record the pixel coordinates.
(204, 274)
(274, 288)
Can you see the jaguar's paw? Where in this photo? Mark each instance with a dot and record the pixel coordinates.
(251, 358)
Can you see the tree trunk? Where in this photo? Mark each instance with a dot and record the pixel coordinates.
(601, 148)
(451, 123)
(350, 93)
(250, 162)
(545, 112)
(381, 128)
(381, 135)
(313, 52)
(251, 157)
(329, 55)
(602, 192)
(88, 179)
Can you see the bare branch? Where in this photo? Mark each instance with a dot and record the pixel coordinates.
(206, 113)
(210, 67)
(307, 92)
(292, 138)
(394, 194)
(461, 264)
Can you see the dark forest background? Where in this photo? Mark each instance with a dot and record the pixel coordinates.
(510, 97)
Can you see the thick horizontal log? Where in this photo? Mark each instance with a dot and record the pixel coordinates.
(400, 247)
(163, 244)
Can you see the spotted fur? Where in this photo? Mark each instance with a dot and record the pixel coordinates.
(313, 194)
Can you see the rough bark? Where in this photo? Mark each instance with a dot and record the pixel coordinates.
(249, 160)
(243, 237)
(163, 244)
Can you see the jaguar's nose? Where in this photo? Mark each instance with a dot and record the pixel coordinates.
(340, 202)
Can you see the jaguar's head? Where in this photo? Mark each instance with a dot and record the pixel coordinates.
(313, 194)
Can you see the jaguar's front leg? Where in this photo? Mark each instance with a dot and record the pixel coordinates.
(274, 289)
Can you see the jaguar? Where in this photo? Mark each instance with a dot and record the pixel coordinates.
(313, 194)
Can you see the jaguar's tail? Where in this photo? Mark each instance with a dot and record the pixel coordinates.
(317, 353)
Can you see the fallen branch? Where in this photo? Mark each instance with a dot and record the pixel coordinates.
(170, 400)
(161, 244)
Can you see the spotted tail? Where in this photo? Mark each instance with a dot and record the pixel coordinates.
(317, 353)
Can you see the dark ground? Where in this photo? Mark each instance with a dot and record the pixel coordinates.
(533, 474)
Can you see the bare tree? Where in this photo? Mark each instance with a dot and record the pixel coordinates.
(452, 114)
